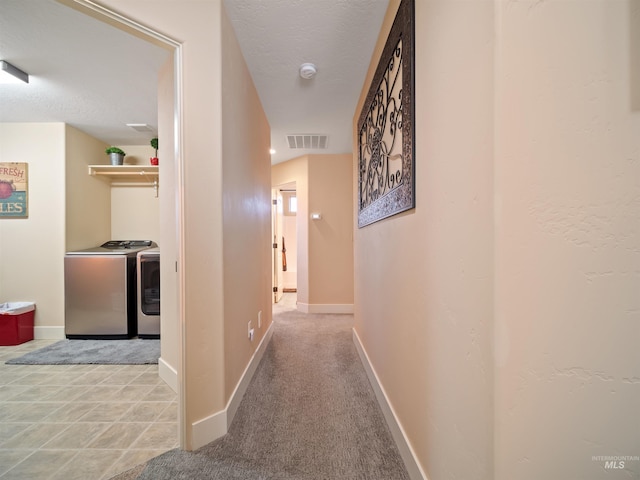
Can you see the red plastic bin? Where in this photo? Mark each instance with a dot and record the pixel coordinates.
(16, 322)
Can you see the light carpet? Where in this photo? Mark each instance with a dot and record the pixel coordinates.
(102, 352)
(308, 413)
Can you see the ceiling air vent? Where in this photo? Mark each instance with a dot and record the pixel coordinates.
(308, 141)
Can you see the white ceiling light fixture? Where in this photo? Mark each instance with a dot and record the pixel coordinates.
(272, 151)
(11, 74)
(308, 70)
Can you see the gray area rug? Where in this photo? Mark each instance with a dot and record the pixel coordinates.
(102, 352)
(308, 413)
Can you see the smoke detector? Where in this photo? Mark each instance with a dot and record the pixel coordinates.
(308, 70)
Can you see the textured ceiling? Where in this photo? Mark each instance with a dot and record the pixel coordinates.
(82, 71)
(338, 36)
(98, 78)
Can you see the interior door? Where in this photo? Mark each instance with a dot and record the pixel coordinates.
(277, 212)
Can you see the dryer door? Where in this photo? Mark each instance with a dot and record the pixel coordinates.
(150, 284)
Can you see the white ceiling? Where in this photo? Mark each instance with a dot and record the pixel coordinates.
(81, 72)
(98, 78)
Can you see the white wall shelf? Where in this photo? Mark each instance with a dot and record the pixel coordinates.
(145, 174)
(127, 175)
(126, 172)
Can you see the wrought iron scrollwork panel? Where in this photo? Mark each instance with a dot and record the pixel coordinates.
(385, 129)
(381, 136)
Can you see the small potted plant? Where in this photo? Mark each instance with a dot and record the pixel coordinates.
(116, 155)
(154, 145)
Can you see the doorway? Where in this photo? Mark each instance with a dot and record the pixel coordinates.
(285, 240)
(171, 365)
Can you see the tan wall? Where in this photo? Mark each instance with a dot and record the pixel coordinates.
(538, 165)
(567, 239)
(32, 249)
(137, 154)
(135, 213)
(135, 209)
(247, 211)
(330, 238)
(199, 28)
(423, 279)
(88, 204)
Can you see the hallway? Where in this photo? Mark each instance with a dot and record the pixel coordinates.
(308, 413)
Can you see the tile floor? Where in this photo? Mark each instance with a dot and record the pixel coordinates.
(81, 421)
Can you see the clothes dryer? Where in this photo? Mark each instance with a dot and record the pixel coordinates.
(149, 293)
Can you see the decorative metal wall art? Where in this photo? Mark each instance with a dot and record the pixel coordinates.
(386, 165)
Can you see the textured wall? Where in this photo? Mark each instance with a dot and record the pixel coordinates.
(330, 238)
(135, 211)
(423, 279)
(87, 198)
(246, 209)
(567, 240)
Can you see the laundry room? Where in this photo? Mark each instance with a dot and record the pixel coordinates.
(71, 206)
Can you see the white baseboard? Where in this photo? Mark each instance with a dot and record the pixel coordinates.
(404, 446)
(48, 333)
(208, 429)
(215, 426)
(247, 375)
(169, 374)
(341, 308)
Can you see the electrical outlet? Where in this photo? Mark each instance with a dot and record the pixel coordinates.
(250, 331)
(260, 319)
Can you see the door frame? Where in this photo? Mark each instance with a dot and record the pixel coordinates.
(105, 15)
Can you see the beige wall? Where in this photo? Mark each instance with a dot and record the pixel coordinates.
(135, 205)
(423, 279)
(524, 240)
(135, 213)
(138, 154)
(567, 189)
(247, 211)
(32, 249)
(324, 247)
(88, 204)
(330, 238)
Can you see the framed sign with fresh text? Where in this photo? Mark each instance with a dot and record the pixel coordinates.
(386, 164)
(14, 190)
